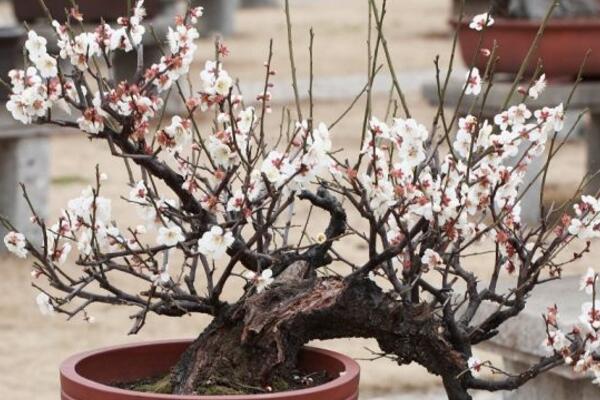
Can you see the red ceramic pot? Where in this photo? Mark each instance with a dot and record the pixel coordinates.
(92, 10)
(562, 48)
(86, 376)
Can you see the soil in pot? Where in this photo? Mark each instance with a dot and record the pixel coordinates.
(296, 381)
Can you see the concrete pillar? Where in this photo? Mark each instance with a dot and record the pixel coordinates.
(219, 16)
(24, 160)
(593, 152)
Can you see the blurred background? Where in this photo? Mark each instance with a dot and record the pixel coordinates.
(58, 164)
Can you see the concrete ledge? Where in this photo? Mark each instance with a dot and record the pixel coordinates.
(519, 342)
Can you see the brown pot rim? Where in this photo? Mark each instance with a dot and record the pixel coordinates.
(553, 24)
(69, 373)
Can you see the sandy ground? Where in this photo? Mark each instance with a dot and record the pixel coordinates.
(31, 346)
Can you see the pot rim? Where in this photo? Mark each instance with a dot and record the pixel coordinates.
(553, 24)
(68, 371)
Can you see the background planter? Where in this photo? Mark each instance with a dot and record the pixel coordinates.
(85, 376)
(562, 48)
(93, 10)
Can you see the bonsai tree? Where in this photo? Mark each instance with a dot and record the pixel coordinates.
(216, 205)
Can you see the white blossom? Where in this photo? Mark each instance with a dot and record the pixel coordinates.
(170, 236)
(538, 87)
(480, 21)
(44, 304)
(588, 281)
(214, 243)
(15, 243)
(473, 82)
(262, 280)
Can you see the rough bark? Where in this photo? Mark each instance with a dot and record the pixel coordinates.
(255, 341)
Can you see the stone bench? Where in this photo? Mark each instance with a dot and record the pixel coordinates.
(519, 343)
(586, 97)
(24, 158)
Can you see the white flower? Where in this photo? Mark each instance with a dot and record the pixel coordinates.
(170, 236)
(15, 243)
(473, 82)
(83, 207)
(46, 64)
(588, 281)
(538, 87)
(261, 281)
(276, 167)
(215, 242)
(220, 152)
(481, 21)
(139, 192)
(92, 120)
(247, 118)
(179, 131)
(236, 202)
(35, 45)
(431, 259)
(590, 316)
(555, 341)
(43, 302)
(223, 84)
(474, 366)
(519, 114)
(321, 238)
(196, 13)
(60, 253)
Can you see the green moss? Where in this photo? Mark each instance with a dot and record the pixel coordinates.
(161, 385)
(280, 384)
(218, 390)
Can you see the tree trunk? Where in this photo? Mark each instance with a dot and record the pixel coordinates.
(256, 341)
(454, 389)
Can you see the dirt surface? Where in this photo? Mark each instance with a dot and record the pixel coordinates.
(31, 346)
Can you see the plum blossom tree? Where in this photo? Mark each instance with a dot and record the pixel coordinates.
(216, 203)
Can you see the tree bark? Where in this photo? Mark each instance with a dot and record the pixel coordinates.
(257, 340)
(454, 389)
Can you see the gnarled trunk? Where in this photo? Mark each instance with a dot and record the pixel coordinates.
(256, 341)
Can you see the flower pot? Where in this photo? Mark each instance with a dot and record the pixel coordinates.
(92, 10)
(562, 48)
(11, 40)
(87, 376)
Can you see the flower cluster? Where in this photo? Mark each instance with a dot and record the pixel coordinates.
(582, 359)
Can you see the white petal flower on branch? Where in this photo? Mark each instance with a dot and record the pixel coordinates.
(15, 243)
(139, 192)
(46, 64)
(261, 281)
(481, 21)
(215, 242)
(538, 87)
(170, 236)
(590, 316)
(475, 365)
(588, 281)
(43, 302)
(36, 46)
(431, 260)
(473, 86)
